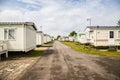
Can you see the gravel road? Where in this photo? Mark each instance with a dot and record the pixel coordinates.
(60, 62)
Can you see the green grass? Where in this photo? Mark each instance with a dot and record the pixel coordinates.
(30, 54)
(34, 53)
(49, 44)
(89, 50)
(17, 55)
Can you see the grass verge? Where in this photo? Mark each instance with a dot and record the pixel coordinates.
(49, 44)
(30, 54)
(18, 55)
(89, 50)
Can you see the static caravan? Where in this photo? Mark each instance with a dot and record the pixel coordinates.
(45, 38)
(103, 35)
(65, 38)
(82, 38)
(52, 38)
(48, 38)
(71, 38)
(20, 36)
(39, 38)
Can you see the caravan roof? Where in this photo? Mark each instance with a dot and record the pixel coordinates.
(25, 23)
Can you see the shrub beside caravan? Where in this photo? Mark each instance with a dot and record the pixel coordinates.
(39, 38)
(20, 36)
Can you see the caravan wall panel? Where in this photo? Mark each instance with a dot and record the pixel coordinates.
(17, 43)
(30, 38)
(39, 39)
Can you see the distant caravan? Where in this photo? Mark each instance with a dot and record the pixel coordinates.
(39, 38)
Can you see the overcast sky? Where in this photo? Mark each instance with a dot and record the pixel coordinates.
(61, 16)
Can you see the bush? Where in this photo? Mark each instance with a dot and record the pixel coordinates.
(112, 49)
(102, 47)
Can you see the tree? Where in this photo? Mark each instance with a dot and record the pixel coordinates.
(118, 23)
(58, 37)
(73, 33)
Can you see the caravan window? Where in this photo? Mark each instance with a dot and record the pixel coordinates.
(111, 34)
(118, 34)
(9, 34)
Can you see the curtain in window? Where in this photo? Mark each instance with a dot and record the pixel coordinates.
(118, 34)
(5, 34)
(11, 34)
(111, 34)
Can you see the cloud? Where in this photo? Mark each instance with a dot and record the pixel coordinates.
(28, 1)
(8, 15)
(62, 16)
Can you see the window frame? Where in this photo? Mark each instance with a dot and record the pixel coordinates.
(111, 35)
(118, 34)
(7, 34)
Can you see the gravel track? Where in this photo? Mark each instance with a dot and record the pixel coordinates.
(60, 62)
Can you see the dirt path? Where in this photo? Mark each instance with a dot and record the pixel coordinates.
(62, 63)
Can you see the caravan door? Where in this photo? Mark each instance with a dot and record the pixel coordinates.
(111, 40)
(1, 33)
